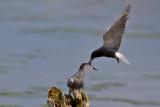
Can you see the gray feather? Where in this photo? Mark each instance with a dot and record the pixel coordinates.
(112, 38)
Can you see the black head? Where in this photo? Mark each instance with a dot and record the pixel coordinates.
(95, 54)
(98, 53)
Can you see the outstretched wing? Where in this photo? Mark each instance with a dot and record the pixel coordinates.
(112, 38)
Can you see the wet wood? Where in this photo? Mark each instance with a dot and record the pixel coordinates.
(57, 98)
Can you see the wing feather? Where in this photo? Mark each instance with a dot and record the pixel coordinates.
(112, 38)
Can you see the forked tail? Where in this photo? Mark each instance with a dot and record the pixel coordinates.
(122, 58)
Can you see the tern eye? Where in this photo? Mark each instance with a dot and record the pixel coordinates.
(77, 76)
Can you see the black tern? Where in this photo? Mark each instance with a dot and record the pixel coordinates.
(112, 40)
(76, 81)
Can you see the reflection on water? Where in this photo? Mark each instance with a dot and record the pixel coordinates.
(10, 105)
(127, 100)
(152, 75)
(103, 86)
(43, 42)
(61, 29)
(31, 92)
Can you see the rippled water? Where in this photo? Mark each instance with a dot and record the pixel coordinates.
(44, 42)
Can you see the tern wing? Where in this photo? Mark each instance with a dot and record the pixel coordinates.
(112, 38)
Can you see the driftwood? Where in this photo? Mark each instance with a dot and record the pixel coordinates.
(57, 98)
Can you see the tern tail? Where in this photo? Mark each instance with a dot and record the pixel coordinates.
(122, 58)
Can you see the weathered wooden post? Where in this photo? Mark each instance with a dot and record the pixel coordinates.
(57, 98)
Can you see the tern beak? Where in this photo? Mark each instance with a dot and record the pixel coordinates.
(95, 68)
(90, 64)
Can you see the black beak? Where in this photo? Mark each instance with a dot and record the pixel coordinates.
(90, 63)
(95, 68)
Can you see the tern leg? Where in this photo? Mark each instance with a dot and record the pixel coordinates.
(117, 60)
(69, 92)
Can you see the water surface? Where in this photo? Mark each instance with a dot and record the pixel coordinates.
(44, 42)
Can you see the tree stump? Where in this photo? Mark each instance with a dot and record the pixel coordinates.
(57, 98)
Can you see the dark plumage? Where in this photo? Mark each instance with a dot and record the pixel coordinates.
(76, 81)
(112, 40)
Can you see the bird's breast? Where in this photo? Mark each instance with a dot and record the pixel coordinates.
(109, 53)
(77, 85)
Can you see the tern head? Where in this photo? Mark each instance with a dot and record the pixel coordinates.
(86, 66)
